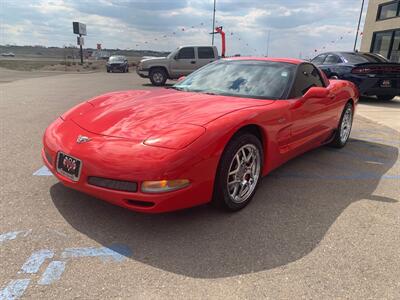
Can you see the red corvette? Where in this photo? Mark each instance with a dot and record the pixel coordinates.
(208, 138)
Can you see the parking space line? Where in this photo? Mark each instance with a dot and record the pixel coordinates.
(43, 171)
(114, 252)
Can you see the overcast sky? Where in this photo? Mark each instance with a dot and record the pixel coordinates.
(295, 26)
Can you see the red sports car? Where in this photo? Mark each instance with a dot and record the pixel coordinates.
(208, 138)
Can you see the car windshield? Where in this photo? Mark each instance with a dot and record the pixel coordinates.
(241, 78)
(359, 58)
(116, 59)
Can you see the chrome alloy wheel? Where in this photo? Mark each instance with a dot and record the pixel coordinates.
(345, 127)
(158, 77)
(244, 173)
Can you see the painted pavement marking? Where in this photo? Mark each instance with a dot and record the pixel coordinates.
(43, 171)
(52, 273)
(34, 262)
(12, 235)
(14, 289)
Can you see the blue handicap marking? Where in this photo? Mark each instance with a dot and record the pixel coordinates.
(52, 273)
(12, 235)
(34, 262)
(14, 289)
(43, 171)
(115, 252)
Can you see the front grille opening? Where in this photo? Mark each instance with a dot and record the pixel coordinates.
(139, 203)
(112, 184)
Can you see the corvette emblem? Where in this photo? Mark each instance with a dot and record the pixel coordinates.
(82, 139)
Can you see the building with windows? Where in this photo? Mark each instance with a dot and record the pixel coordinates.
(382, 29)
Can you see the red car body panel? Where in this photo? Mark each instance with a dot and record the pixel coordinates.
(166, 134)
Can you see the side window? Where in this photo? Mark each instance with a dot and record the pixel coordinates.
(307, 76)
(186, 53)
(205, 52)
(332, 59)
(319, 59)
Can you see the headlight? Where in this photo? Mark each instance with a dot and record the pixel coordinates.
(162, 186)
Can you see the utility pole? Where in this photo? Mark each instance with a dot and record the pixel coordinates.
(81, 50)
(358, 27)
(213, 25)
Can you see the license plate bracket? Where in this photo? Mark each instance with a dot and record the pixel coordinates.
(386, 84)
(69, 166)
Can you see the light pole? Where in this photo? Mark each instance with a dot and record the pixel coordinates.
(358, 27)
(213, 25)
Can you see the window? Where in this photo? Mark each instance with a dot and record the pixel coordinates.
(332, 59)
(186, 53)
(395, 54)
(205, 52)
(319, 59)
(386, 43)
(242, 78)
(388, 10)
(307, 76)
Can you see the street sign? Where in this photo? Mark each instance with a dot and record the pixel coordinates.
(80, 41)
(79, 28)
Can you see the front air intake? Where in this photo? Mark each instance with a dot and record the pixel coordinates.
(112, 184)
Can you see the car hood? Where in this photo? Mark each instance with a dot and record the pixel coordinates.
(138, 114)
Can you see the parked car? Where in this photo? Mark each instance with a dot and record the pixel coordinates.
(210, 137)
(373, 74)
(180, 62)
(117, 63)
(8, 54)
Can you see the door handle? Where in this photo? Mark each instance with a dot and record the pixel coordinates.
(193, 62)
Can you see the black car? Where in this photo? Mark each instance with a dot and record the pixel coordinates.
(372, 73)
(117, 63)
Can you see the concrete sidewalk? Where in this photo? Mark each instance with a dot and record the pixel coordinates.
(383, 112)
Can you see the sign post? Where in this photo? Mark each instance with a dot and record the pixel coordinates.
(80, 29)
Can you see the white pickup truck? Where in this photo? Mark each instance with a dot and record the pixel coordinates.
(180, 62)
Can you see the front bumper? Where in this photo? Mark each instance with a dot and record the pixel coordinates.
(117, 67)
(105, 157)
(142, 73)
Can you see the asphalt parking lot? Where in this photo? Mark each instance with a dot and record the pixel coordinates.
(325, 225)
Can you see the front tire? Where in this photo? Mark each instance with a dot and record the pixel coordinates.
(385, 97)
(158, 76)
(239, 172)
(343, 131)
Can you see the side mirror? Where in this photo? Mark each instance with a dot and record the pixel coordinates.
(182, 78)
(316, 92)
(176, 57)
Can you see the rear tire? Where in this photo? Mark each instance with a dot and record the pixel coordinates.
(386, 97)
(158, 76)
(239, 172)
(343, 131)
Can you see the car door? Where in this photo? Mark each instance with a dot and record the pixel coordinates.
(310, 116)
(205, 55)
(184, 62)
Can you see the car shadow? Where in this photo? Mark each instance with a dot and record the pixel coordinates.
(292, 211)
